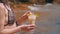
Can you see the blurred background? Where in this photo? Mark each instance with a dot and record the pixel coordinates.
(48, 11)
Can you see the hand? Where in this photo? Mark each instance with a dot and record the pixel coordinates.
(25, 15)
(27, 27)
(23, 18)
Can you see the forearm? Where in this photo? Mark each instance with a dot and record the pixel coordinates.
(10, 31)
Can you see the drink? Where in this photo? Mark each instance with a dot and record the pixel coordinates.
(32, 18)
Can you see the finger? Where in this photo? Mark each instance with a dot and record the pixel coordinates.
(31, 29)
(32, 26)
